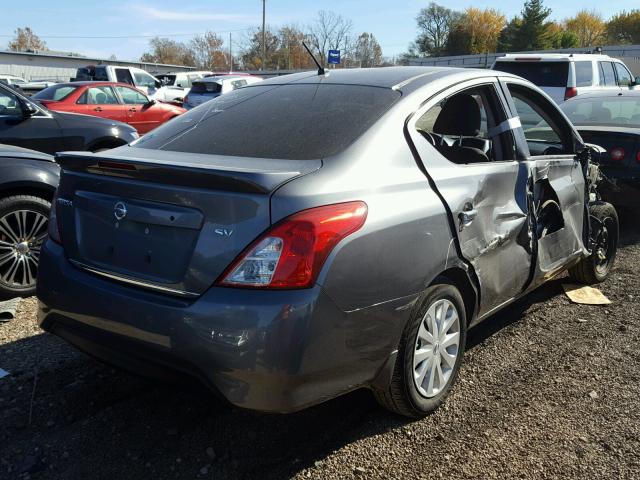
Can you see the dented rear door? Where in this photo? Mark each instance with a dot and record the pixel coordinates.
(488, 206)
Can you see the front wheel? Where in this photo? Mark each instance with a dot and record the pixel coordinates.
(429, 354)
(23, 228)
(604, 232)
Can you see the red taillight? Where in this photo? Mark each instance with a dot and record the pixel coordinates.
(570, 92)
(617, 154)
(54, 223)
(293, 251)
(638, 156)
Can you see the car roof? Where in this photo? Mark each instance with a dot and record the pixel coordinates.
(94, 83)
(512, 57)
(220, 78)
(398, 78)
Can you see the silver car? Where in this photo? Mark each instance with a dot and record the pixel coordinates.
(314, 234)
(209, 88)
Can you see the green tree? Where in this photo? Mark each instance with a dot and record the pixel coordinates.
(532, 34)
(165, 50)
(509, 36)
(624, 27)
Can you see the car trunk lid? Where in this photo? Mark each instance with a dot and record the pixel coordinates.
(163, 223)
(619, 139)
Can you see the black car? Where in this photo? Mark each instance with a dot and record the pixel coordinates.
(612, 121)
(28, 181)
(27, 124)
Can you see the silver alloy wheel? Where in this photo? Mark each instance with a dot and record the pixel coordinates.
(22, 233)
(436, 348)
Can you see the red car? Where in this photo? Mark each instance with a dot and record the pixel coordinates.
(117, 101)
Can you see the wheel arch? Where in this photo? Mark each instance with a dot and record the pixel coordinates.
(459, 278)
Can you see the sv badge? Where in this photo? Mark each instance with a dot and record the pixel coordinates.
(223, 232)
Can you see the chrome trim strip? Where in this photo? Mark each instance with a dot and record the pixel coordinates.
(131, 281)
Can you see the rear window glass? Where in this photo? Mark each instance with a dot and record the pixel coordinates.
(295, 122)
(166, 79)
(624, 111)
(584, 74)
(543, 74)
(206, 87)
(55, 92)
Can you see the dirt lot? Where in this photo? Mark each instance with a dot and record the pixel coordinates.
(547, 390)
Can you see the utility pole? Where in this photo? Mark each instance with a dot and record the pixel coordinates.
(264, 45)
(230, 55)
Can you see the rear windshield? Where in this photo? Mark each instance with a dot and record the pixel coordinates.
(55, 92)
(206, 87)
(613, 111)
(543, 74)
(293, 121)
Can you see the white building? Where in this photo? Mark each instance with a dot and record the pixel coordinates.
(60, 66)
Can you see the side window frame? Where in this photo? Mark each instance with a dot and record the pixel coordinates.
(621, 65)
(450, 91)
(555, 118)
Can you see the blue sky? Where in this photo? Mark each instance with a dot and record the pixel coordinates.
(392, 22)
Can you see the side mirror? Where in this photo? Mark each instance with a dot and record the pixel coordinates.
(28, 109)
(150, 103)
(157, 84)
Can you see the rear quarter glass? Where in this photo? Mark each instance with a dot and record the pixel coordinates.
(294, 122)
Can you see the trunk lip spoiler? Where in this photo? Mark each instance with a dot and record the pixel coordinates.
(253, 175)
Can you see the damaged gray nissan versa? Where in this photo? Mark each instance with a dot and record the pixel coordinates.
(314, 234)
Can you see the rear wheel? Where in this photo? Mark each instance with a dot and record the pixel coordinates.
(604, 231)
(23, 228)
(429, 354)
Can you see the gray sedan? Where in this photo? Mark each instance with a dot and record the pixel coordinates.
(310, 235)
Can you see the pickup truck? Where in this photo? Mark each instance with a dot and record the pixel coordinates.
(137, 77)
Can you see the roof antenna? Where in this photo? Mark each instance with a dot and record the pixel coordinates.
(321, 70)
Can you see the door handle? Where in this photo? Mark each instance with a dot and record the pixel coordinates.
(467, 215)
(133, 109)
(98, 109)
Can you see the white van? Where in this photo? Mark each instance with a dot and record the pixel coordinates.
(109, 73)
(565, 75)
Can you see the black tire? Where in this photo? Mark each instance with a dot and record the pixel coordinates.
(605, 231)
(402, 395)
(20, 283)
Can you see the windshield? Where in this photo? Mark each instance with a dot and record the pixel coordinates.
(543, 74)
(616, 111)
(293, 121)
(55, 92)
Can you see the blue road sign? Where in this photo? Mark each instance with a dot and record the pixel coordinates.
(334, 56)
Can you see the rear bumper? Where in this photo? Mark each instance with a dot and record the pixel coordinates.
(275, 351)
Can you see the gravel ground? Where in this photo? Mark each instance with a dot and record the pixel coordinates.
(547, 389)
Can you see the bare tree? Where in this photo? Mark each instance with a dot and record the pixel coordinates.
(209, 53)
(435, 22)
(26, 40)
(367, 51)
(330, 31)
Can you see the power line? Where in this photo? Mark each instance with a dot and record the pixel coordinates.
(132, 36)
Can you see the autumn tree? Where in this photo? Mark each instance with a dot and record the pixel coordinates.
(25, 40)
(477, 31)
(588, 26)
(367, 51)
(434, 25)
(330, 31)
(252, 51)
(165, 50)
(624, 27)
(291, 54)
(209, 52)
